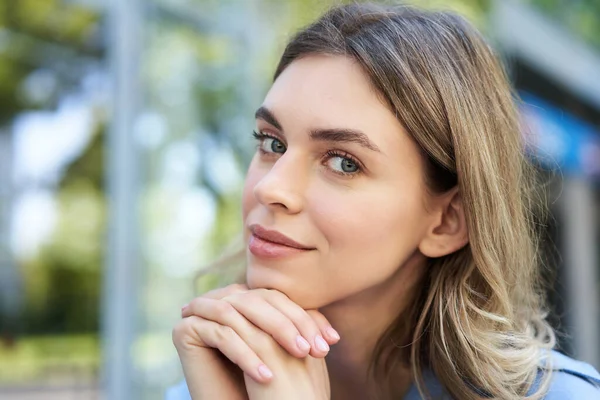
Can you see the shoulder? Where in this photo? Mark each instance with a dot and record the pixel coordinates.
(178, 392)
(572, 379)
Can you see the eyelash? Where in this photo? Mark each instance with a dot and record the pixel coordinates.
(329, 154)
(262, 135)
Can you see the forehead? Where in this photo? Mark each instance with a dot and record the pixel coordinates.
(321, 91)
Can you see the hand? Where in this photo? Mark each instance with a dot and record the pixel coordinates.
(256, 328)
(294, 378)
(249, 327)
(209, 375)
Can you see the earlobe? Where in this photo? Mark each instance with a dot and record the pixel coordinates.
(448, 233)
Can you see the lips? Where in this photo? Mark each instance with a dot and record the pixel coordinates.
(276, 237)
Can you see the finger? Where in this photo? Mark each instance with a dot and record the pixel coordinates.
(247, 314)
(330, 334)
(300, 318)
(216, 294)
(184, 337)
(270, 320)
(203, 366)
(231, 345)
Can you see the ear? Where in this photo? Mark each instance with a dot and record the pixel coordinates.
(448, 231)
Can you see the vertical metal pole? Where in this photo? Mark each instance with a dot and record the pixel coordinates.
(581, 267)
(123, 267)
(10, 278)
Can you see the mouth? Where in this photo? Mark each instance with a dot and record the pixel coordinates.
(275, 237)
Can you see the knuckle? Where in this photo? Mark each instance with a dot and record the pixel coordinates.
(260, 293)
(307, 326)
(285, 328)
(276, 294)
(316, 317)
(302, 318)
(178, 332)
(194, 303)
(224, 309)
(237, 287)
(183, 331)
(233, 289)
(232, 298)
(242, 300)
(250, 297)
(276, 297)
(224, 334)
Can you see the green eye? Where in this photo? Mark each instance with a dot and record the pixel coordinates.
(272, 145)
(268, 144)
(343, 165)
(348, 166)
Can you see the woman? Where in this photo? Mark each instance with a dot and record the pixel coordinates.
(390, 192)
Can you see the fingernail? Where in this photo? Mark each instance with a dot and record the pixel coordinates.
(332, 333)
(303, 345)
(184, 307)
(265, 372)
(321, 343)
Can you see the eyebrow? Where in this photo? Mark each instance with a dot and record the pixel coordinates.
(343, 135)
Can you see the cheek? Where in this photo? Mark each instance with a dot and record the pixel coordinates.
(367, 215)
(378, 227)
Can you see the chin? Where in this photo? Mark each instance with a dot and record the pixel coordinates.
(259, 277)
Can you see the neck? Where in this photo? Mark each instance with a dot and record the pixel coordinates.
(361, 320)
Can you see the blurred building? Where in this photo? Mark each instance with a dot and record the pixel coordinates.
(558, 78)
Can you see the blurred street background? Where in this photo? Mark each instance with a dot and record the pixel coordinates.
(124, 137)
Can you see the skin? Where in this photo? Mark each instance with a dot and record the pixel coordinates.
(364, 211)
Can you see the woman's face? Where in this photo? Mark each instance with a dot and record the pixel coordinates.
(334, 202)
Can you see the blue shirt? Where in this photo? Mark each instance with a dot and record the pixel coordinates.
(572, 380)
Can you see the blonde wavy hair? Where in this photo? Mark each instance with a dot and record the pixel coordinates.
(479, 323)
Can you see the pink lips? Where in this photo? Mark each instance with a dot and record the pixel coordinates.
(272, 244)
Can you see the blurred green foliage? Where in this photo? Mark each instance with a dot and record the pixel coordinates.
(50, 358)
(45, 34)
(62, 281)
(581, 17)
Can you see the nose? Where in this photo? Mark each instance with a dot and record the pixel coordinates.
(282, 188)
